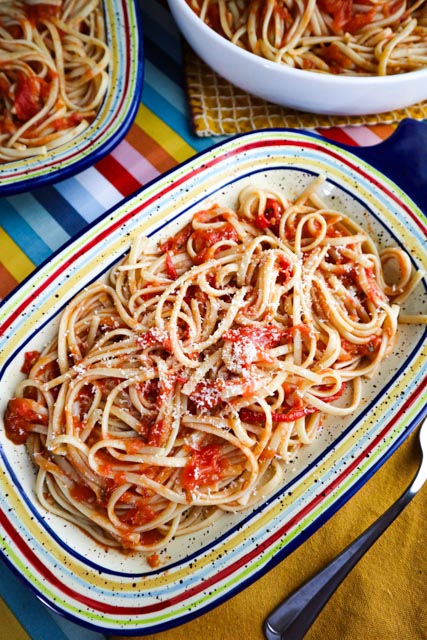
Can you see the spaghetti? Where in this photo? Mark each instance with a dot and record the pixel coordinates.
(180, 389)
(53, 73)
(370, 37)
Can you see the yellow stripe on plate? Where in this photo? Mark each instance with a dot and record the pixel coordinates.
(18, 264)
(10, 627)
(165, 137)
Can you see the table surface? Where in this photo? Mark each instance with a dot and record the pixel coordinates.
(33, 225)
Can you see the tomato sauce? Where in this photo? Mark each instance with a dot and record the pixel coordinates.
(30, 93)
(20, 416)
(42, 11)
(138, 515)
(255, 417)
(204, 468)
(30, 358)
(204, 239)
(178, 241)
(261, 336)
(158, 434)
(271, 216)
(82, 493)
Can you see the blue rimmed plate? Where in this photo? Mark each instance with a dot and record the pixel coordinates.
(117, 593)
(118, 110)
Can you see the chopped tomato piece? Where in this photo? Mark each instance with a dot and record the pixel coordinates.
(20, 417)
(360, 20)
(340, 10)
(42, 10)
(178, 241)
(207, 394)
(350, 350)
(271, 216)
(154, 337)
(170, 267)
(337, 61)
(204, 468)
(373, 292)
(261, 336)
(204, 239)
(108, 487)
(294, 414)
(153, 559)
(66, 123)
(285, 269)
(30, 358)
(29, 94)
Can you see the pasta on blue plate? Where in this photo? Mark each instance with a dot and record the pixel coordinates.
(53, 73)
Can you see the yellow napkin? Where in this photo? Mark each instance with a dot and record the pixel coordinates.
(383, 598)
(219, 108)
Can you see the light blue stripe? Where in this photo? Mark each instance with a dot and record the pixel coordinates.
(170, 91)
(36, 216)
(79, 198)
(24, 236)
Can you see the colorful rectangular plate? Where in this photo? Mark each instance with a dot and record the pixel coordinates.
(118, 593)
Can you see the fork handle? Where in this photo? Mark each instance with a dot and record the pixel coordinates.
(293, 617)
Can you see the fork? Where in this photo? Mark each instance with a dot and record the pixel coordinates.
(294, 616)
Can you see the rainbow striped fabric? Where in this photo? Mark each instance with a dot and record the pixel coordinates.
(33, 225)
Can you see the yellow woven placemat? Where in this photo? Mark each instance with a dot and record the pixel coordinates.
(220, 108)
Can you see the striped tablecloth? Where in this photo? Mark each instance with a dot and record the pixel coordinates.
(33, 225)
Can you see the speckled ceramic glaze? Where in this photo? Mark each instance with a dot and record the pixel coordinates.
(124, 36)
(114, 592)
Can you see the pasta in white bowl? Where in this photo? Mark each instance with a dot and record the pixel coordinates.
(313, 56)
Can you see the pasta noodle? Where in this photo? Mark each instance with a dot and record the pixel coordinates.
(370, 37)
(53, 73)
(181, 388)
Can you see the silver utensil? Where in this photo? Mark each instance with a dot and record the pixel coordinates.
(292, 618)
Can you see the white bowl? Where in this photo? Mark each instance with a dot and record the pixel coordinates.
(295, 88)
